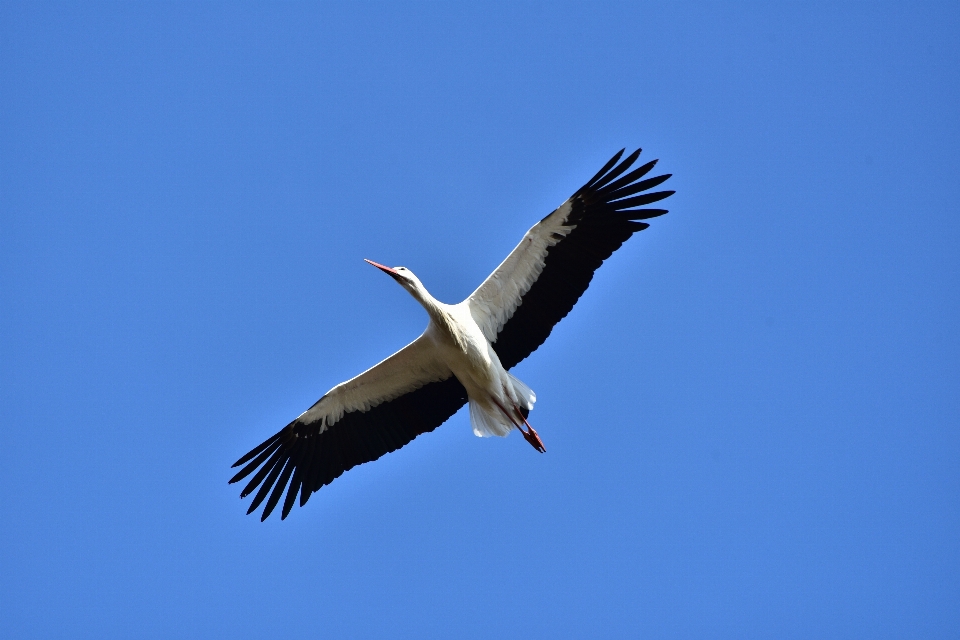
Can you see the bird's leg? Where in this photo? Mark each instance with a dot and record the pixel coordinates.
(531, 434)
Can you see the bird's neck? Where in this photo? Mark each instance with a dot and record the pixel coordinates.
(433, 306)
(441, 316)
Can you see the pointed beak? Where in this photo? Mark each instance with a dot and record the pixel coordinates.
(383, 268)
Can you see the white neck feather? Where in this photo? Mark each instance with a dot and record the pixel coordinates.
(439, 314)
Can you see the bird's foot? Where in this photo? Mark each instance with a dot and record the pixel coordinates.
(531, 434)
(533, 438)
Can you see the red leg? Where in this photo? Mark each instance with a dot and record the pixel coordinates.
(531, 435)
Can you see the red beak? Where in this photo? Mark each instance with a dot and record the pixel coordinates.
(384, 268)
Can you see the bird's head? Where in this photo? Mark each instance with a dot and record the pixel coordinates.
(402, 275)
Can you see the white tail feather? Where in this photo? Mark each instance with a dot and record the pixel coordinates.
(492, 422)
(524, 393)
(488, 423)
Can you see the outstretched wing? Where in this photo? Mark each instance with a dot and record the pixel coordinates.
(359, 420)
(544, 276)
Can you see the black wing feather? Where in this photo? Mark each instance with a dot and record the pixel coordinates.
(630, 178)
(620, 168)
(310, 462)
(255, 452)
(305, 459)
(279, 486)
(643, 185)
(275, 458)
(268, 483)
(612, 161)
(243, 473)
(604, 217)
(639, 201)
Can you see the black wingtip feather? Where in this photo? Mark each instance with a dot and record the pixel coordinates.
(620, 168)
(243, 473)
(642, 214)
(308, 461)
(639, 201)
(290, 499)
(643, 185)
(295, 484)
(256, 450)
(262, 473)
(267, 484)
(630, 178)
(612, 161)
(278, 487)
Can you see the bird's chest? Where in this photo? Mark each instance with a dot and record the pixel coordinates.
(464, 348)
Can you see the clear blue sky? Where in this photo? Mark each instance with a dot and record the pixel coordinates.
(752, 417)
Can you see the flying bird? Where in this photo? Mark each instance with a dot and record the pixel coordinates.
(466, 351)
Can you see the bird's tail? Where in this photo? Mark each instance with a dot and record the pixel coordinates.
(490, 419)
(524, 394)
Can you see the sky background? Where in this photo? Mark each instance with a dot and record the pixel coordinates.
(752, 416)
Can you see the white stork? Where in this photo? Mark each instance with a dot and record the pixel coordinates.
(466, 351)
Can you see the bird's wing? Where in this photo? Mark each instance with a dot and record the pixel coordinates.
(379, 411)
(544, 276)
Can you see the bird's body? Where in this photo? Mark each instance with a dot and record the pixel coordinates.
(453, 343)
(466, 351)
(461, 345)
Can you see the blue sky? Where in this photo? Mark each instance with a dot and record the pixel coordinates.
(752, 417)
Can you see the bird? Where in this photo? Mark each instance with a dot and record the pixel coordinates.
(467, 350)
